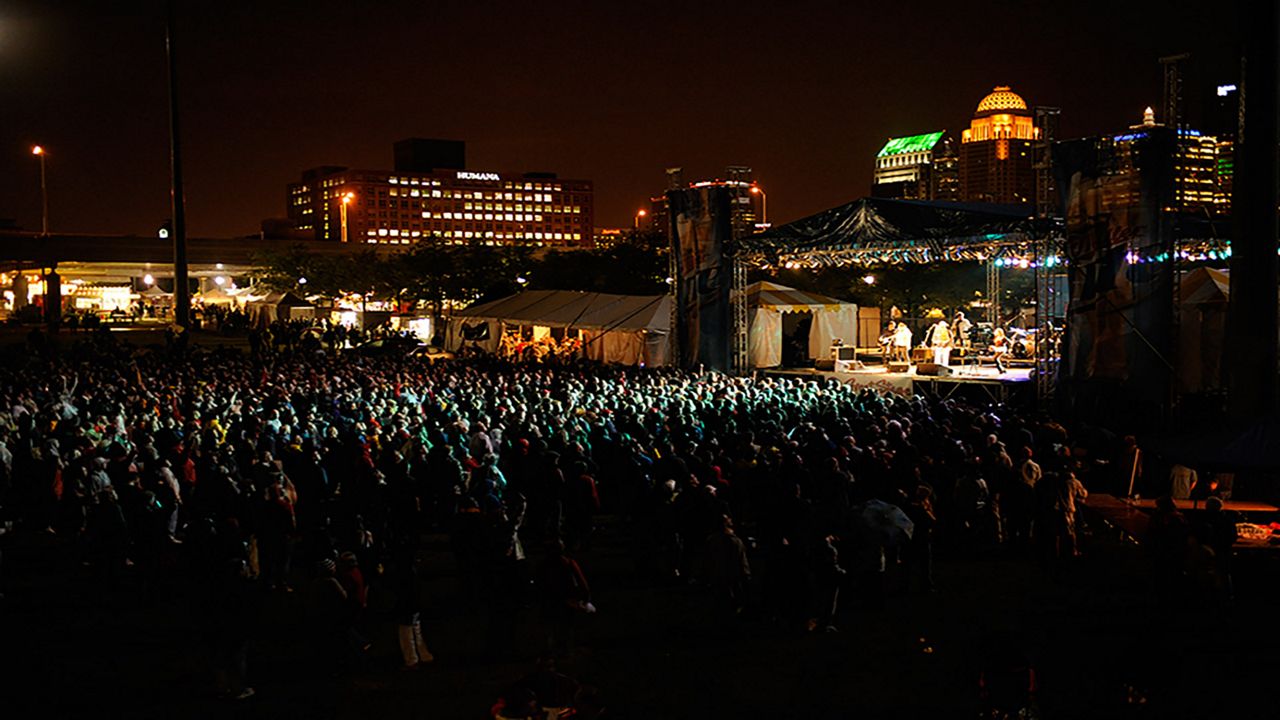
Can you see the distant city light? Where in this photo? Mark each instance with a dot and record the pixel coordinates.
(302, 281)
(1224, 90)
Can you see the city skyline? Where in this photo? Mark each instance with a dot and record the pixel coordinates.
(804, 99)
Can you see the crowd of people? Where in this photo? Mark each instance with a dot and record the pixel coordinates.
(321, 471)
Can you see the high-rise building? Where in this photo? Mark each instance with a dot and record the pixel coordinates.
(747, 200)
(430, 195)
(918, 167)
(1195, 163)
(1225, 124)
(996, 163)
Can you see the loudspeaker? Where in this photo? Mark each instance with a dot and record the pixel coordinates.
(827, 365)
(846, 352)
(899, 367)
(933, 369)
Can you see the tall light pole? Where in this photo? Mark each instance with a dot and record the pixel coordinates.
(181, 292)
(346, 200)
(764, 203)
(38, 151)
(639, 214)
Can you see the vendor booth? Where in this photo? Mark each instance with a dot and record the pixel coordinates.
(626, 329)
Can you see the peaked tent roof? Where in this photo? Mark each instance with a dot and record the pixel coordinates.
(779, 297)
(583, 310)
(216, 294)
(882, 230)
(287, 299)
(1205, 286)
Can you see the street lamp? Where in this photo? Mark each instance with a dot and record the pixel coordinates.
(39, 152)
(764, 203)
(346, 200)
(639, 214)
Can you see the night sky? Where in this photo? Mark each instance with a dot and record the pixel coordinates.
(614, 92)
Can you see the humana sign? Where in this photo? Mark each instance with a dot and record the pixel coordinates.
(467, 175)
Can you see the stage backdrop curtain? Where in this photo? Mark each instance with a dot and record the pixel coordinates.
(840, 321)
(765, 339)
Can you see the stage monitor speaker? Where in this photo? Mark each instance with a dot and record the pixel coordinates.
(933, 370)
(846, 352)
(899, 367)
(827, 365)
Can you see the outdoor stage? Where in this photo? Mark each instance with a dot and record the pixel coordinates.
(999, 387)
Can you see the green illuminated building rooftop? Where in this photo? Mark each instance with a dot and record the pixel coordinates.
(911, 144)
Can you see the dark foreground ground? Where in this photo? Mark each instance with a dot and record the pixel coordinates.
(1102, 646)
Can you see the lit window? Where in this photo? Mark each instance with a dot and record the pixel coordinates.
(382, 232)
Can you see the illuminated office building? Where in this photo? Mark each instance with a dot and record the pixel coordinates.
(747, 202)
(430, 194)
(1195, 163)
(917, 167)
(1225, 125)
(996, 163)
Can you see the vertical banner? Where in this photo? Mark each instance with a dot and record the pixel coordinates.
(700, 230)
(1122, 256)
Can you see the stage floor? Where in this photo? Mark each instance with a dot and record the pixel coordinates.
(905, 383)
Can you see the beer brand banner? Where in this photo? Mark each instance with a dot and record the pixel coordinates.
(700, 231)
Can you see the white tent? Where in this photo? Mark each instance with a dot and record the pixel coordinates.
(1205, 294)
(278, 306)
(628, 329)
(768, 301)
(216, 296)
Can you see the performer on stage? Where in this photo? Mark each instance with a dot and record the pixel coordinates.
(886, 341)
(902, 343)
(961, 326)
(940, 341)
(999, 348)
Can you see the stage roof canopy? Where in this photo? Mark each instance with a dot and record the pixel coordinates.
(878, 230)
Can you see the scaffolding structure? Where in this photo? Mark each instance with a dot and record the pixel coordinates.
(993, 292)
(1047, 252)
(739, 358)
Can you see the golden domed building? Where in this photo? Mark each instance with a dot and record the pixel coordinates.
(996, 152)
